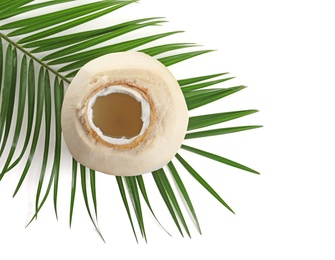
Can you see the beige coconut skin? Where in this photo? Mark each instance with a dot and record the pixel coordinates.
(168, 117)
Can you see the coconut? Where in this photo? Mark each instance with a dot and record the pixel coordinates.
(124, 114)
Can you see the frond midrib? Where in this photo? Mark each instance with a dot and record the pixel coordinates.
(33, 57)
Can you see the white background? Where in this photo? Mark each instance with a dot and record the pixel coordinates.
(284, 52)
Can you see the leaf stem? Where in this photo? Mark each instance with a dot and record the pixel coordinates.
(7, 39)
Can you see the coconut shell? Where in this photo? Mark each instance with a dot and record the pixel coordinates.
(168, 115)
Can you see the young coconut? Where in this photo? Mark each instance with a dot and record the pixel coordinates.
(124, 114)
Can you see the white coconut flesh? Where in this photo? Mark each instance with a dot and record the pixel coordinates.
(124, 114)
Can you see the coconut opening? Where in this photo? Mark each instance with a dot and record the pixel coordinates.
(118, 114)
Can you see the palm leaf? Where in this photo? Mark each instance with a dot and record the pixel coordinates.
(184, 193)
(83, 178)
(204, 84)
(30, 115)
(73, 188)
(218, 158)
(154, 51)
(1, 63)
(197, 176)
(94, 192)
(9, 72)
(197, 122)
(136, 202)
(37, 128)
(95, 41)
(20, 8)
(172, 197)
(53, 43)
(10, 105)
(36, 23)
(77, 59)
(47, 119)
(20, 111)
(141, 185)
(68, 25)
(199, 98)
(220, 131)
(44, 43)
(58, 95)
(166, 199)
(189, 81)
(125, 202)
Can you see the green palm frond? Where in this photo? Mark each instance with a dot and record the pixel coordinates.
(183, 191)
(38, 58)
